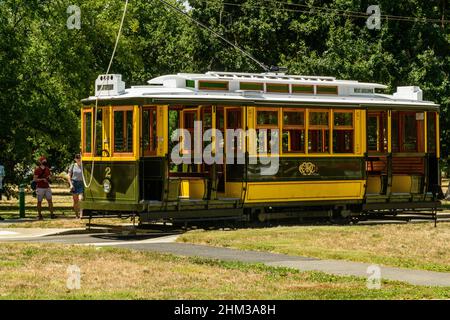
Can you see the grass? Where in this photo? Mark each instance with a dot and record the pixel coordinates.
(62, 202)
(417, 246)
(39, 271)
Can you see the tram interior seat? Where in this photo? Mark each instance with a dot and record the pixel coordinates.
(407, 174)
(194, 185)
(376, 168)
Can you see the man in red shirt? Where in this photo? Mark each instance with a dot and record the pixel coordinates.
(42, 177)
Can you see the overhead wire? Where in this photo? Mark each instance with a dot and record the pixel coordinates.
(338, 12)
(94, 133)
(245, 53)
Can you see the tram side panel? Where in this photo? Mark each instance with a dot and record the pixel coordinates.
(114, 187)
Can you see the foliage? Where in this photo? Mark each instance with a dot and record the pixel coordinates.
(47, 69)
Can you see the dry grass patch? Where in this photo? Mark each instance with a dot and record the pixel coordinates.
(63, 222)
(38, 271)
(419, 246)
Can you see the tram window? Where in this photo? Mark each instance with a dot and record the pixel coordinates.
(318, 118)
(431, 132)
(318, 132)
(293, 118)
(293, 138)
(149, 140)
(206, 122)
(343, 118)
(395, 134)
(343, 131)
(377, 131)
(189, 117)
(87, 132)
(174, 120)
(267, 136)
(206, 118)
(123, 131)
(407, 131)
(267, 117)
(266, 140)
(99, 133)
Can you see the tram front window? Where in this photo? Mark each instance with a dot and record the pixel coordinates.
(99, 133)
(87, 143)
(123, 131)
(149, 139)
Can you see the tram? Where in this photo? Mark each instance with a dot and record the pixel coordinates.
(243, 146)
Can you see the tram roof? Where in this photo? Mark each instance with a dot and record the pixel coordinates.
(265, 89)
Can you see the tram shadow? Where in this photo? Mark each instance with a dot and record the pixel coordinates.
(311, 222)
(132, 233)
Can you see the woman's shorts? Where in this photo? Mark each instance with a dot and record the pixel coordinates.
(78, 187)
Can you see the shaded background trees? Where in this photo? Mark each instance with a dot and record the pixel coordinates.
(46, 68)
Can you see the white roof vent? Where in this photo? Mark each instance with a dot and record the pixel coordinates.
(408, 93)
(109, 85)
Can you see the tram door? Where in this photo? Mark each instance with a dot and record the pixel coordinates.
(188, 118)
(233, 171)
(220, 125)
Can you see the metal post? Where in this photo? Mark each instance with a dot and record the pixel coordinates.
(2, 175)
(22, 200)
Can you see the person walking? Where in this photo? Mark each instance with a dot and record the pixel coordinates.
(42, 176)
(76, 183)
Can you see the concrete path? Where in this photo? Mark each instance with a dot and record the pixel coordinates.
(336, 267)
(164, 242)
(30, 233)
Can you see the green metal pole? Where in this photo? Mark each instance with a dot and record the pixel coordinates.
(22, 200)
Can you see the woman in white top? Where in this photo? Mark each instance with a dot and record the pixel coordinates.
(76, 183)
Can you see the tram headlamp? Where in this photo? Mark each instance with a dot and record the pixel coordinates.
(106, 186)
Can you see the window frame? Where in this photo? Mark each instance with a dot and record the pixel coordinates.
(267, 126)
(267, 149)
(400, 134)
(84, 112)
(290, 127)
(182, 124)
(343, 128)
(381, 147)
(153, 141)
(113, 138)
(323, 128)
(435, 115)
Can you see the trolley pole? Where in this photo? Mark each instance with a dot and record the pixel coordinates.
(22, 200)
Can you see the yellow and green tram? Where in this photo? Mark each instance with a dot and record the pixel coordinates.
(342, 148)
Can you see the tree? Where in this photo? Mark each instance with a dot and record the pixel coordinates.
(326, 37)
(48, 68)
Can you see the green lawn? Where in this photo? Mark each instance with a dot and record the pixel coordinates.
(38, 271)
(418, 246)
